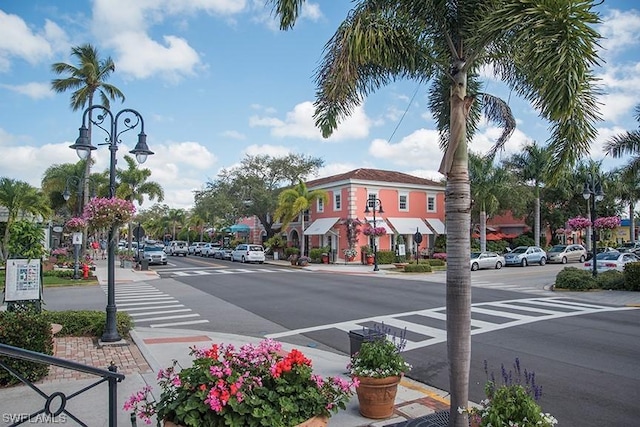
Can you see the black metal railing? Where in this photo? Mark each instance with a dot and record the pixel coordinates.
(110, 375)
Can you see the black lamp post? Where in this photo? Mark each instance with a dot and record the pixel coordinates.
(83, 148)
(74, 180)
(593, 190)
(374, 204)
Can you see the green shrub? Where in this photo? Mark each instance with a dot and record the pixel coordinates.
(67, 274)
(386, 257)
(291, 250)
(30, 331)
(315, 254)
(632, 276)
(87, 322)
(417, 268)
(612, 279)
(434, 262)
(575, 279)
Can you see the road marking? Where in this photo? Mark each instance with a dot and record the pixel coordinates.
(540, 309)
(201, 272)
(164, 325)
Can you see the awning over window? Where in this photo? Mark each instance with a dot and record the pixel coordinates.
(409, 225)
(238, 228)
(437, 225)
(320, 226)
(380, 222)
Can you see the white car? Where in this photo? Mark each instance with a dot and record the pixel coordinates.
(209, 249)
(178, 247)
(612, 260)
(195, 248)
(154, 254)
(247, 252)
(486, 260)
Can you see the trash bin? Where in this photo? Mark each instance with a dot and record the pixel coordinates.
(144, 264)
(358, 336)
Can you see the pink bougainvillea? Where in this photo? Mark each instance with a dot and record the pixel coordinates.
(374, 231)
(607, 223)
(579, 223)
(75, 224)
(103, 212)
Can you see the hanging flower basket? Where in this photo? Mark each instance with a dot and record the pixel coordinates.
(607, 223)
(375, 231)
(75, 224)
(579, 223)
(103, 212)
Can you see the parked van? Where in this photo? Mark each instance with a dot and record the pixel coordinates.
(246, 252)
(178, 247)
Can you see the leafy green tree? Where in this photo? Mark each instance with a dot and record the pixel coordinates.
(293, 202)
(176, 219)
(531, 167)
(20, 199)
(85, 79)
(542, 50)
(26, 240)
(489, 189)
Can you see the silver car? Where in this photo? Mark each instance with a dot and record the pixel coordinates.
(154, 254)
(526, 255)
(567, 253)
(486, 260)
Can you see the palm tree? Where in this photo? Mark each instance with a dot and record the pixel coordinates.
(626, 187)
(20, 198)
(60, 177)
(295, 201)
(542, 51)
(488, 188)
(531, 166)
(175, 218)
(84, 80)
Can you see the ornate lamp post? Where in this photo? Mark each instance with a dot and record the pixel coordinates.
(83, 148)
(593, 190)
(74, 180)
(374, 204)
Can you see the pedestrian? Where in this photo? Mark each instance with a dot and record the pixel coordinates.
(103, 248)
(95, 246)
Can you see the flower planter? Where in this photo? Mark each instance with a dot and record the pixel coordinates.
(376, 396)
(317, 421)
(369, 260)
(325, 259)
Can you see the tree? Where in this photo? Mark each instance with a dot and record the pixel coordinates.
(489, 185)
(295, 201)
(133, 186)
(543, 51)
(20, 199)
(176, 218)
(84, 80)
(531, 166)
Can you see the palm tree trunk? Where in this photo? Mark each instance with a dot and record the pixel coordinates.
(458, 217)
(483, 230)
(302, 236)
(536, 232)
(632, 222)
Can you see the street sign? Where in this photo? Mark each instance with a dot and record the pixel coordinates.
(417, 237)
(138, 232)
(77, 238)
(57, 229)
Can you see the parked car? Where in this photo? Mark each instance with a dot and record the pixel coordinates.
(154, 254)
(567, 253)
(633, 247)
(486, 260)
(526, 255)
(223, 253)
(195, 247)
(208, 249)
(246, 252)
(178, 247)
(612, 260)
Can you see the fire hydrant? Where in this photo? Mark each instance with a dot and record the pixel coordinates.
(85, 271)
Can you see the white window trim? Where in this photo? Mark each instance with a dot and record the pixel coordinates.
(337, 195)
(406, 195)
(435, 204)
(319, 205)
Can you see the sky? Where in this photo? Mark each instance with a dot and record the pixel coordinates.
(216, 80)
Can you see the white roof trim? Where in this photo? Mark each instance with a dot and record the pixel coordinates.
(436, 225)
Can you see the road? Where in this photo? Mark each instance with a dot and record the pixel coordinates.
(584, 354)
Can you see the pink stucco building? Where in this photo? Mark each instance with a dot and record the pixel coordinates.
(403, 205)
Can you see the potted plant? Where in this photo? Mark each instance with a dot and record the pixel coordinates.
(127, 257)
(511, 403)
(292, 254)
(349, 254)
(378, 367)
(255, 385)
(303, 260)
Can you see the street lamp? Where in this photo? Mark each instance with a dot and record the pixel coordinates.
(374, 204)
(593, 190)
(83, 148)
(74, 180)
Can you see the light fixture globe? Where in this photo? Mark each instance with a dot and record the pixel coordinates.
(83, 146)
(141, 151)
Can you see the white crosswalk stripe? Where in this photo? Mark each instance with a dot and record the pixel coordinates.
(187, 273)
(485, 317)
(148, 305)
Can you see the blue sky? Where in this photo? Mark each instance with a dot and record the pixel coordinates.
(216, 80)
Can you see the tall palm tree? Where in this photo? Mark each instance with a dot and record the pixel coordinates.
(176, 218)
(63, 177)
(20, 198)
(489, 185)
(626, 187)
(542, 50)
(295, 201)
(531, 166)
(89, 76)
(133, 186)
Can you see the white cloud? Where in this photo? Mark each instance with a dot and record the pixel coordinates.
(300, 123)
(18, 40)
(419, 148)
(267, 149)
(234, 134)
(32, 90)
(620, 31)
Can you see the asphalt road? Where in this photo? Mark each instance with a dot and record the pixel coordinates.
(584, 356)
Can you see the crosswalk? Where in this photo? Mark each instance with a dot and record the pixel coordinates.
(198, 271)
(150, 307)
(499, 286)
(426, 327)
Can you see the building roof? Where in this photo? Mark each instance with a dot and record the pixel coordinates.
(373, 175)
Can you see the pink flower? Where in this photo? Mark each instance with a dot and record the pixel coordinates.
(375, 231)
(103, 212)
(579, 223)
(607, 223)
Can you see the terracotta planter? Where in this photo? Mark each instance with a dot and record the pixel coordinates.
(377, 396)
(325, 259)
(370, 260)
(317, 421)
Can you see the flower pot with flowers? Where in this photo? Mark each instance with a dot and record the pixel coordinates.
(378, 366)
(75, 225)
(511, 403)
(374, 231)
(255, 385)
(349, 254)
(102, 212)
